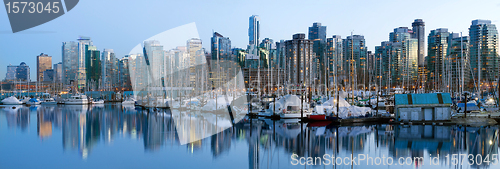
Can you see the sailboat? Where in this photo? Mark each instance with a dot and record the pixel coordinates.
(11, 101)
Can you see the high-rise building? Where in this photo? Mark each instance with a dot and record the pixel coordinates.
(11, 73)
(48, 75)
(109, 69)
(484, 52)
(382, 59)
(299, 57)
(334, 55)
(58, 72)
(458, 49)
(317, 34)
(418, 32)
(154, 56)
(254, 30)
(137, 71)
(355, 57)
(404, 59)
(437, 59)
(280, 53)
(193, 45)
(23, 72)
(267, 44)
(124, 75)
(82, 72)
(70, 62)
(221, 47)
(43, 62)
(93, 68)
(396, 61)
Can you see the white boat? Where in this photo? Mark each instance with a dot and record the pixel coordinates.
(49, 101)
(129, 101)
(25, 100)
(78, 99)
(288, 106)
(97, 101)
(11, 101)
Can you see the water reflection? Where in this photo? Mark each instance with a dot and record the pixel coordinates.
(262, 143)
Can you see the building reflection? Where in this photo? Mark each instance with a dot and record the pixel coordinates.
(84, 127)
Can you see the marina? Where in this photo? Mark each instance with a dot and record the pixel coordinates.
(94, 136)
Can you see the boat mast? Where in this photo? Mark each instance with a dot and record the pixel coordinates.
(461, 64)
(352, 68)
(479, 67)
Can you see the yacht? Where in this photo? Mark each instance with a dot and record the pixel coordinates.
(11, 101)
(129, 100)
(78, 99)
(97, 101)
(49, 101)
(288, 106)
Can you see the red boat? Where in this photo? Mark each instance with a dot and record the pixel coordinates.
(316, 117)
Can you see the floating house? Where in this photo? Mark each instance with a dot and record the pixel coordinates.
(423, 107)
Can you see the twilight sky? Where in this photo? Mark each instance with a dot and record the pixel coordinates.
(121, 25)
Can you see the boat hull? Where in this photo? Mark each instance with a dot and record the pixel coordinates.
(76, 103)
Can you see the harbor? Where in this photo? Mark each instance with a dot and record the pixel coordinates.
(94, 135)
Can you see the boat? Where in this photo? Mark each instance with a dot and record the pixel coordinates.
(25, 100)
(78, 99)
(288, 106)
(11, 101)
(129, 101)
(49, 101)
(97, 101)
(33, 101)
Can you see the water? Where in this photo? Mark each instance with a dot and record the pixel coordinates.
(112, 136)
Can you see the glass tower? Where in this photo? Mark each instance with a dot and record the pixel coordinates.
(437, 58)
(484, 51)
(43, 62)
(355, 57)
(254, 30)
(317, 34)
(70, 62)
(92, 67)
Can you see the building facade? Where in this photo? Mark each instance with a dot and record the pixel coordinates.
(11, 73)
(58, 72)
(458, 50)
(43, 62)
(254, 30)
(355, 60)
(317, 34)
(70, 62)
(484, 57)
(437, 59)
(299, 58)
(81, 78)
(48, 75)
(23, 72)
(334, 54)
(109, 78)
(93, 68)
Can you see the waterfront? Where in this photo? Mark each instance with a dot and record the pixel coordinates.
(113, 136)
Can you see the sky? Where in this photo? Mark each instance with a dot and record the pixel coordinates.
(121, 25)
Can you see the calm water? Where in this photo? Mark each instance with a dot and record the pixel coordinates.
(112, 136)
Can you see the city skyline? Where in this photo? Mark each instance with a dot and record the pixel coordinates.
(276, 27)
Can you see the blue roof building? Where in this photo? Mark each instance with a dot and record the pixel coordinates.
(423, 107)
